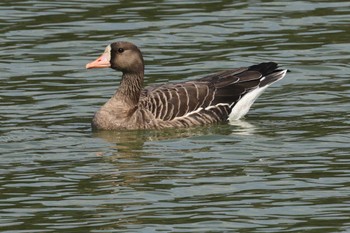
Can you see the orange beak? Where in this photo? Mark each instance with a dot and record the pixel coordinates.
(100, 62)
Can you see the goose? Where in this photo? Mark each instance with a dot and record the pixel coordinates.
(224, 96)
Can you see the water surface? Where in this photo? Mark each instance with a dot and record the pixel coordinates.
(284, 168)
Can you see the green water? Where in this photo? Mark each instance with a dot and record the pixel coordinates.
(284, 168)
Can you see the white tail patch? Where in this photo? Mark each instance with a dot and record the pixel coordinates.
(243, 105)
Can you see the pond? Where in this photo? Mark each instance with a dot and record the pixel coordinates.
(283, 168)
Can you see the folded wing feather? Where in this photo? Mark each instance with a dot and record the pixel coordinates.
(209, 99)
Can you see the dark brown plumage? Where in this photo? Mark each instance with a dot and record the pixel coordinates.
(218, 97)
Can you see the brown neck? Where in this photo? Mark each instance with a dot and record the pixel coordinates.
(130, 88)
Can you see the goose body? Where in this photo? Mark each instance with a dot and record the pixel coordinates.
(219, 97)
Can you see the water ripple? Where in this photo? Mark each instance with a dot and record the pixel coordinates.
(282, 169)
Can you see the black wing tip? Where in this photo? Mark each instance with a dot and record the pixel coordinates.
(276, 75)
(265, 68)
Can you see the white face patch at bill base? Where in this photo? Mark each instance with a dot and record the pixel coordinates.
(107, 53)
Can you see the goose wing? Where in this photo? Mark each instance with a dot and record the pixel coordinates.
(211, 97)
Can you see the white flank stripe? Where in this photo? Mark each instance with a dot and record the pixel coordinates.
(200, 109)
(215, 106)
(190, 113)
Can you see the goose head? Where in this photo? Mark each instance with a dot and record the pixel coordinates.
(122, 56)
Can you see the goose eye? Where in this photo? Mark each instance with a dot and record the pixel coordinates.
(120, 50)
